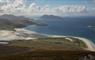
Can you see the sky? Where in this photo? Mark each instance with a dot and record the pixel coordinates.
(47, 7)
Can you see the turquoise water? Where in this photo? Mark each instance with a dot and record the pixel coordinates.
(67, 26)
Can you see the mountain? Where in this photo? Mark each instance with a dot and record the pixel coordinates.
(11, 21)
(81, 20)
(50, 17)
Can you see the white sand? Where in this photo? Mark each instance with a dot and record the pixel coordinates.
(3, 42)
(90, 44)
(6, 35)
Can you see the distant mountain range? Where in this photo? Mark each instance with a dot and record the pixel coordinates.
(81, 20)
(11, 21)
(51, 17)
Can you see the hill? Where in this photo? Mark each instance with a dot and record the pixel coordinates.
(83, 20)
(10, 22)
(45, 49)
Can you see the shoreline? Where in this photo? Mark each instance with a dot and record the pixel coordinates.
(90, 44)
(18, 34)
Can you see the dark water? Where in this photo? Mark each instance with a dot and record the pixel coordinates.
(73, 26)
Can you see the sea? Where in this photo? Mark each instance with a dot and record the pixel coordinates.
(68, 26)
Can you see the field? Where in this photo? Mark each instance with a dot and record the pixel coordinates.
(50, 43)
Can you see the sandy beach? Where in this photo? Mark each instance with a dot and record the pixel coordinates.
(90, 44)
(21, 34)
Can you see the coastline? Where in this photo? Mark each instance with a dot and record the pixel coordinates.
(90, 44)
(18, 34)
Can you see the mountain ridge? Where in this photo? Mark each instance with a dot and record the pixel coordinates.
(12, 21)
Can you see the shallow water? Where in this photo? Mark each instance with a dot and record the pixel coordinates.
(68, 27)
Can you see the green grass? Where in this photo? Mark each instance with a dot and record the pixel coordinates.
(47, 49)
(50, 43)
(7, 27)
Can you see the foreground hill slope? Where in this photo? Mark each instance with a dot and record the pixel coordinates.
(45, 49)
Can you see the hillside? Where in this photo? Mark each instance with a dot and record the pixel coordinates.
(45, 49)
(10, 22)
(51, 43)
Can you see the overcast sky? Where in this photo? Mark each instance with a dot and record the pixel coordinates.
(49, 7)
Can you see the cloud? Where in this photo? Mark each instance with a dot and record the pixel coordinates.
(93, 0)
(19, 7)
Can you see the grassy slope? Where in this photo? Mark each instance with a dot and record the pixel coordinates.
(44, 49)
(49, 55)
(50, 43)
